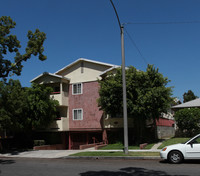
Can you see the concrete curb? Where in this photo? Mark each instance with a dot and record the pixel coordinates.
(113, 157)
(50, 154)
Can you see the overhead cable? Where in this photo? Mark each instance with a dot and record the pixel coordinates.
(169, 22)
(135, 45)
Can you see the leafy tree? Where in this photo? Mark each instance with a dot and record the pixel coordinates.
(42, 110)
(188, 120)
(10, 44)
(147, 96)
(12, 106)
(188, 96)
(22, 109)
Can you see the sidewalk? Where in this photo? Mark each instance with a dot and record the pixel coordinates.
(66, 153)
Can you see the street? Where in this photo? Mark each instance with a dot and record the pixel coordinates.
(70, 167)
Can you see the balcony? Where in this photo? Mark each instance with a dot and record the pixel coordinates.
(61, 124)
(62, 98)
(116, 122)
(60, 92)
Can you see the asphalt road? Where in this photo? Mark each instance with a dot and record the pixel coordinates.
(69, 167)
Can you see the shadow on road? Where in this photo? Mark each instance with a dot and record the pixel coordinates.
(136, 171)
(6, 161)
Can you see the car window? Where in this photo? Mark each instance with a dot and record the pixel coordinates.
(196, 140)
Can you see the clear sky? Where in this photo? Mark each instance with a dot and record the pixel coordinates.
(89, 29)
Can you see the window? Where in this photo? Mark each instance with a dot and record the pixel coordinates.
(196, 141)
(77, 88)
(77, 114)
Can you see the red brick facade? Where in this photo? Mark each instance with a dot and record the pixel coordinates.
(89, 129)
(87, 101)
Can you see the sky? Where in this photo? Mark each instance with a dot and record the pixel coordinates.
(164, 33)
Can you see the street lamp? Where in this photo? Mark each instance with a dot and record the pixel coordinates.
(124, 83)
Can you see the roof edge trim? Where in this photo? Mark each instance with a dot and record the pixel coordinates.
(51, 74)
(86, 60)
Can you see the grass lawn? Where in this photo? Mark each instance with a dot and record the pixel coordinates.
(120, 146)
(116, 154)
(173, 141)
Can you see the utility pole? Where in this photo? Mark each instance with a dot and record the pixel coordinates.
(124, 84)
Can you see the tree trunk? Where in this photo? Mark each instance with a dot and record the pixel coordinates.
(155, 130)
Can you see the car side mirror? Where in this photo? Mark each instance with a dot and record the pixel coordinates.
(191, 144)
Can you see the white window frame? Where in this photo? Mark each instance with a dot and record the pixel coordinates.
(81, 89)
(81, 115)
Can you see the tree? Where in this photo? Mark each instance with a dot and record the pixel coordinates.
(188, 96)
(22, 109)
(188, 121)
(12, 106)
(42, 110)
(147, 96)
(10, 44)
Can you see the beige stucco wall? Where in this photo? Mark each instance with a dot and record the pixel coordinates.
(85, 72)
(61, 98)
(59, 125)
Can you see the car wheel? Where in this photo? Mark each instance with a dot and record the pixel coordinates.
(175, 157)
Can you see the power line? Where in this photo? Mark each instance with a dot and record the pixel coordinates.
(135, 45)
(156, 23)
(169, 22)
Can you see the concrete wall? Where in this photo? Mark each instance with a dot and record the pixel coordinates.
(50, 147)
(165, 132)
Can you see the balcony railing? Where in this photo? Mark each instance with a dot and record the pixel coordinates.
(61, 124)
(116, 122)
(61, 98)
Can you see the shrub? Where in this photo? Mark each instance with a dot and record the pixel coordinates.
(188, 121)
(39, 142)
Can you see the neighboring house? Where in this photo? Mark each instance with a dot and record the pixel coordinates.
(80, 121)
(190, 104)
(166, 126)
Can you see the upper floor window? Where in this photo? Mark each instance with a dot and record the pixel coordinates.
(77, 114)
(77, 88)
